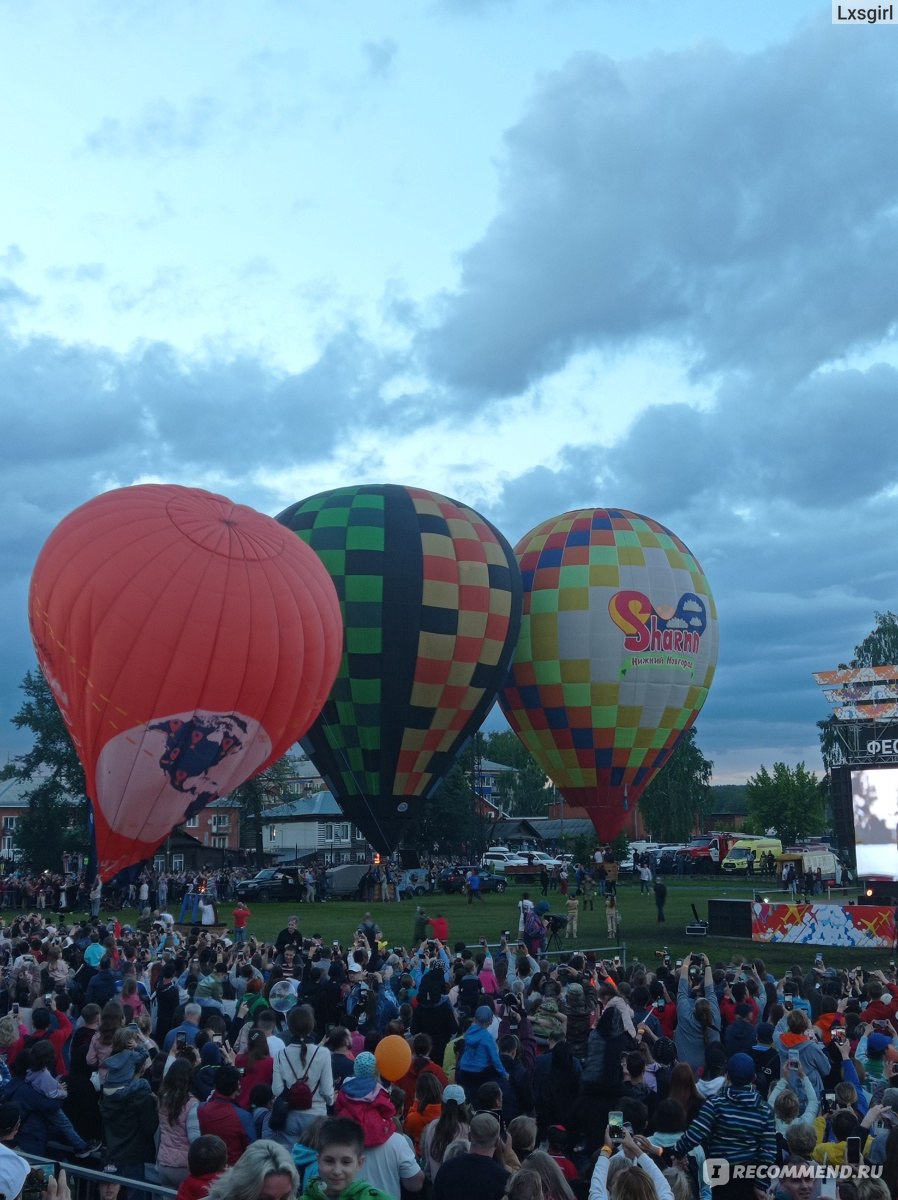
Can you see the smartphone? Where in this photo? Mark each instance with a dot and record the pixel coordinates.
(695, 959)
(48, 999)
(180, 1040)
(794, 1062)
(787, 1002)
(853, 1151)
(661, 1004)
(839, 1036)
(15, 1010)
(218, 1039)
(679, 962)
(829, 1101)
(616, 1126)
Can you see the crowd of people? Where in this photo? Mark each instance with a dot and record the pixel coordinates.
(179, 1056)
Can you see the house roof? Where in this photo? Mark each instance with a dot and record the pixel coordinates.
(551, 830)
(318, 804)
(487, 764)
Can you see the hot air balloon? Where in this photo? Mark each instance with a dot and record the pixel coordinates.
(430, 594)
(617, 652)
(189, 642)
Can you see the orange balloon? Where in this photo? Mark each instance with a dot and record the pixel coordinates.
(394, 1057)
(189, 642)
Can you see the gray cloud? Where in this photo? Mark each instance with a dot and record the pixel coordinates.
(732, 202)
(161, 130)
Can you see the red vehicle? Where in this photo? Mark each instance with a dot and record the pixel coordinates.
(706, 851)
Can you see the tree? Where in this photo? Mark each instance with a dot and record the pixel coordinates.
(56, 819)
(878, 649)
(790, 801)
(678, 799)
(259, 793)
(450, 817)
(526, 792)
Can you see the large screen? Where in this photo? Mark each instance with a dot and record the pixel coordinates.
(874, 795)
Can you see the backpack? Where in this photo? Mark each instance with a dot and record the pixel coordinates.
(767, 1070)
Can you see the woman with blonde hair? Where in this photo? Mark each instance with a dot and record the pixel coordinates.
(525, 1185)
(634, 1175)
(265, 1167)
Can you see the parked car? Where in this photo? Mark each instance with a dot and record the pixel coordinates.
(272, 883)
(452, 879)
(498, 859)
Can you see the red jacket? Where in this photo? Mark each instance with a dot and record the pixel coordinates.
(234, 1125)
(58, 1037)
(194, 1187)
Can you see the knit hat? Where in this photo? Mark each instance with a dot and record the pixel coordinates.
(877, 1043)
(764, 1033)
(365, 1066)
(741, 1069)
(452, 1091)
(483, 1015)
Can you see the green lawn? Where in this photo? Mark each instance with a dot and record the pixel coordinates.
(339, 919)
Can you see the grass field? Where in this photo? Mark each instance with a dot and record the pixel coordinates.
(640, 931)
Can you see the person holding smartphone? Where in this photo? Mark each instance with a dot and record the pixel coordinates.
(698, 1013)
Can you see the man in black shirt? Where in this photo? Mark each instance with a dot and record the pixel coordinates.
(477, 1173)
(290, 936)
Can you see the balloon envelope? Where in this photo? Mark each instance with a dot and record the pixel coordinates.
(393, 1055)
(617, 652)
(188, 641)
(430, 594)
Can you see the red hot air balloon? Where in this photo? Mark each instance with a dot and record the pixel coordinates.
(617, 651)
(189, 642)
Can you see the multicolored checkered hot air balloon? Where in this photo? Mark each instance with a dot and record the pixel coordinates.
(431, 600)
(617, 652)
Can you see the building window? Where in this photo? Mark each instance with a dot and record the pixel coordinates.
(341, 833)
(328, 833)
(192, 823)
(8, 844)
(177, 862)
(159, 865)
(220, 843)
(221, 821)
(9, 824)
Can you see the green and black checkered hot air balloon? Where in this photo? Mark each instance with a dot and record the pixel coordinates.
(430, 594)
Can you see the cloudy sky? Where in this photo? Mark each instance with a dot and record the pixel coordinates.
(535, 255)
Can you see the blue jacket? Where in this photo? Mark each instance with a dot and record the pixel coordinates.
(481, 1052)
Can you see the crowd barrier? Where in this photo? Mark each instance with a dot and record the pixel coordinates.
(81, 1179)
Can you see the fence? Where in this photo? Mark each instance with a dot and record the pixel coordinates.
(81, 1179)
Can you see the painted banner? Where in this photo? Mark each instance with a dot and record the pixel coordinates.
(862, 926)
